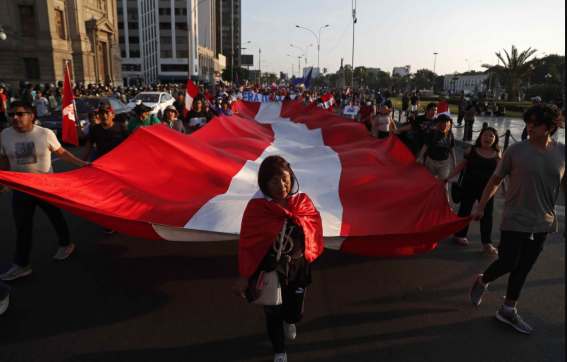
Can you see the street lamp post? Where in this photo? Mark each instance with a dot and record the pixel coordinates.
(354, 21)
(318, 42)
(435, 64)
(455, 79)
(304, 51)
(470, 65)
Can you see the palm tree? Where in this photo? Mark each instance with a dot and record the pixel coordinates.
(515, 67)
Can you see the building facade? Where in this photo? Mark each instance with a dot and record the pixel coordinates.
(42, 35)
(469, 83)
(167, 41)
(232, 30)
(401, 71)
(375, 70)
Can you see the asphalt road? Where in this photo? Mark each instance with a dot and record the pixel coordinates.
(120, 298)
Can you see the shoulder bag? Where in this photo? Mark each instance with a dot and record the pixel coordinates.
(268, 285)
(457, 187)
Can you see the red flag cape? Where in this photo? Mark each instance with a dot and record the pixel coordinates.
(192, 92)
(70, 134)
(263, 221)
(208, 96)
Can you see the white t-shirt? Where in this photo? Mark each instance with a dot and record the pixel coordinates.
(384, 124)
(29, 152)
(42, 106)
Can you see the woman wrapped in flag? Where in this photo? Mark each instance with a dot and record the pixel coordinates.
(280, 223)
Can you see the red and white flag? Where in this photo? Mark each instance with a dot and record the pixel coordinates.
(348, 91)
(329, 102)
(274, 85)
(212, 180)
(443, 108)
(192, 92)
(70, 134)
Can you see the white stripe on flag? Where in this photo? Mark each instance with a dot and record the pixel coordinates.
(317, 167)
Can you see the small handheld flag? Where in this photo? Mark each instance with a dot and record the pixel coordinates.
(70, 134)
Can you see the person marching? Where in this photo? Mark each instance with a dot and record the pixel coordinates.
(480, 163)
(27, 148)
(384, 125)
(439, 145)
(536, 168)
(143, 118)
(282, 232)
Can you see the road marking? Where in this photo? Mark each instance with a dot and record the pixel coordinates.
(561, 211)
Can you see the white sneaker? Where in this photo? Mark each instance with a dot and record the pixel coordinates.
(290, 331)
(16, 272)
(280, 357)
(64, 252)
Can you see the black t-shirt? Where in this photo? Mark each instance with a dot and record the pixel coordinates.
(439, 146)
(414, 100)
(192, 114)
(422, 126)
(405, 100)
(107, 139)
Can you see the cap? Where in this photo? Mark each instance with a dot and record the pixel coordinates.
(105, 107)
(536, 99)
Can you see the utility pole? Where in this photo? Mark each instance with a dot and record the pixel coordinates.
(232, 41)
(260, 66)
(354, 21)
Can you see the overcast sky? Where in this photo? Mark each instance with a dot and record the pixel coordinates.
(401, 32)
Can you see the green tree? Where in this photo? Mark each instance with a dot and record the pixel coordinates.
(423, 78)
(515, 68)
(243, 74)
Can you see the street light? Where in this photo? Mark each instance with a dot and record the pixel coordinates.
(304, 51)
(470, 65)
(298, 61)
(455, 79)
(435, 64)
(2, 34)
(318, 42)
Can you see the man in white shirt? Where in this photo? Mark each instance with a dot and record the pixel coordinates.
(41, 104)
(27, 148)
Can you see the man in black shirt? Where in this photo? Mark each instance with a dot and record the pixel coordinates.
(197, 117)
(422, 125)
(179, 104)
(107, 136)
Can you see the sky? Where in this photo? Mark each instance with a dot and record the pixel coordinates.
(400, 32)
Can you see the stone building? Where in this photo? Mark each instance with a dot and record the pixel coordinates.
(43, 34)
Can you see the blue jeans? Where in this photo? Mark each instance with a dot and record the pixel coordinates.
(23, 208)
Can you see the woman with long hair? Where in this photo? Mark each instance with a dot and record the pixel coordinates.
(439, 144)
(384, 125)
(480, 163)
(282, 233)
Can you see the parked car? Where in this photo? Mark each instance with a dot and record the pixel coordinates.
(54, 120)
(158, 102)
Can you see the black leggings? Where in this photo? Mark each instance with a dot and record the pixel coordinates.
(518, 255)
(291, 311)
(470, 196)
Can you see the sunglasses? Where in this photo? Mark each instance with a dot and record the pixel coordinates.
(18, 114)
(535, 123)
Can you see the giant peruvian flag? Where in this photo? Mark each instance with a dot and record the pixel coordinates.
(329, 102)
(192, 92)
(70, 134)
(372, 197)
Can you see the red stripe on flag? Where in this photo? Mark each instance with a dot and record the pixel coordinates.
(405, 209)
(164, 189)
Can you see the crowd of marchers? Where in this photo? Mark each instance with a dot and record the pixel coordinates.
(535, 168)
